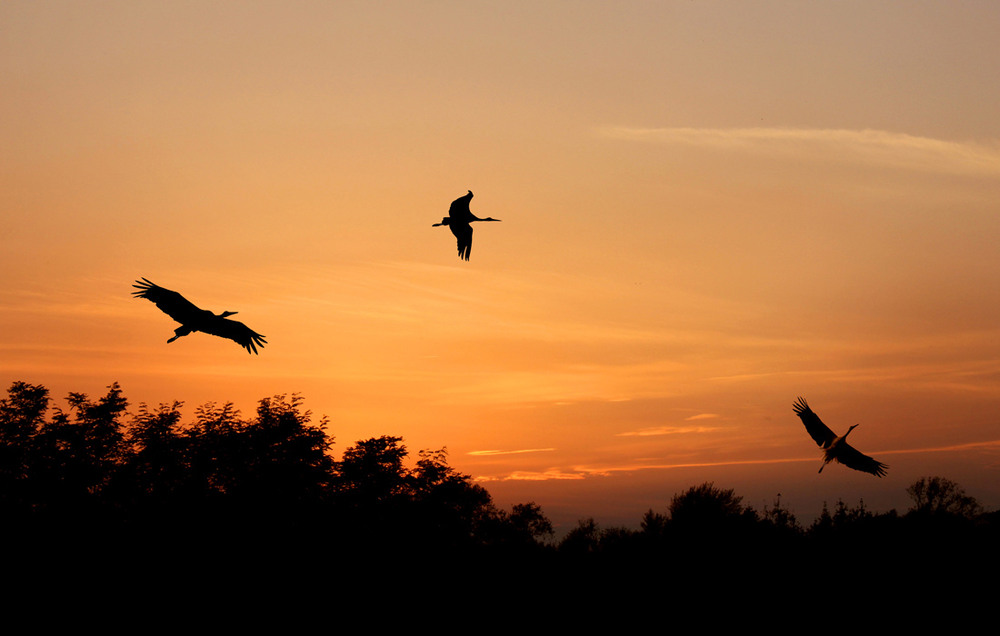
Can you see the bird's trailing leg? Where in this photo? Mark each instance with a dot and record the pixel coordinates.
(178, 332)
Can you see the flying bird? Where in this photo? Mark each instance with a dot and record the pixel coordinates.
(192, 318)
(459, 219)
(836, 448)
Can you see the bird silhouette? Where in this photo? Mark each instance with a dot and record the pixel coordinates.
(459, 219)
(192, 318)
(836, 448)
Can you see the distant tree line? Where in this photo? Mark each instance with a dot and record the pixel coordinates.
(943, 524)
(97, 480)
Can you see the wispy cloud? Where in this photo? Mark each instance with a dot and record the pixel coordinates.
(702, 416)
(878, 146)
(666, 430)
(547, 475)
(510, 452)
(987, 445)
(585, 472)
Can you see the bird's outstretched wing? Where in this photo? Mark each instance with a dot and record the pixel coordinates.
(819, 431)
(463, 232)
(459, 209)
(235, 331)
(853, 458)
(170, 302)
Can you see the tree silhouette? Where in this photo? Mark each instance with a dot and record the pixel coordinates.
(780, 519)
(372, 471)
(940, 496)
(703, 513)
(654, 525)
(854, 532)
(528, 524)
(74, 458)
(95, 487)
(705, 502)
(268, 484)
(155, 472)
(22, 414)
(452, 508)
(285, 456)
(583, 539)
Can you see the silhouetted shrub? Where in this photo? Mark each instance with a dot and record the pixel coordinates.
(940, 496)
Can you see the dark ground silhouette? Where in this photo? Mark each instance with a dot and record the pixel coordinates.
(132, 494)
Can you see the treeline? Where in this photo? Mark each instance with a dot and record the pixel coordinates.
(96, 479)
(942, 523)
(95, 473)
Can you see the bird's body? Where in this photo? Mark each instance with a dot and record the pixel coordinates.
(459, 220)
(836, 448)
(193, 318)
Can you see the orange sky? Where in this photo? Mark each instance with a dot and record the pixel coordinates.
(708, 209)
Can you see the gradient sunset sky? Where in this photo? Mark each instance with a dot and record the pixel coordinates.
(709, 208)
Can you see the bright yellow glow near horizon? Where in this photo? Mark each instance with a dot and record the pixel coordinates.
(707, 210)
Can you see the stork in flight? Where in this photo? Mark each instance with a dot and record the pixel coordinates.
(836, 448)
(459, 219)
(192, 318)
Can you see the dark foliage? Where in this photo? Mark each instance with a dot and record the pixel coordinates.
(707, 536)
(940, 496)
(227, 490)
(96, 487)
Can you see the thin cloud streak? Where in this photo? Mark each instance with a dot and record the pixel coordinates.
(878, 146)
(584, 472)
(510, 452)
(525, 475)
(667, 430)
(985, 445)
